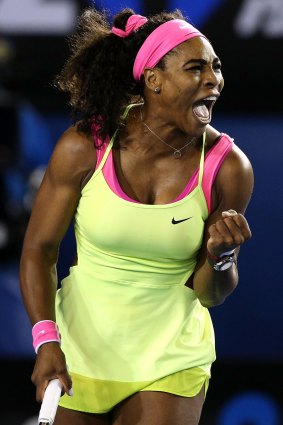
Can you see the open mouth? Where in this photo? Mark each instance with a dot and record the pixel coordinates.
(203, 108)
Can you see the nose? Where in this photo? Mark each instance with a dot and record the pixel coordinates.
(212, 78)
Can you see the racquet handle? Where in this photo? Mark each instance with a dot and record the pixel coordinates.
(50, 402)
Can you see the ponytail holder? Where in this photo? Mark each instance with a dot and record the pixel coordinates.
(133, 23)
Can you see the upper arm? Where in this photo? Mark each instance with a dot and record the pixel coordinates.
(232, 189)
(72, 160)
(234, 183)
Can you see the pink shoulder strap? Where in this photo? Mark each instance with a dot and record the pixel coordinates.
(213, 162)
(100, 152)
(108, 171)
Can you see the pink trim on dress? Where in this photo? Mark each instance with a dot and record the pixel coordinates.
(213, 161)
(111, 179)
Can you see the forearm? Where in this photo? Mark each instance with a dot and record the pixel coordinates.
(212, 287)
(38, 281)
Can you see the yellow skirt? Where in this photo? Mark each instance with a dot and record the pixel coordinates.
(98, 396)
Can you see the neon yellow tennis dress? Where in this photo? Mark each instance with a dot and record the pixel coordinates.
(128, 322)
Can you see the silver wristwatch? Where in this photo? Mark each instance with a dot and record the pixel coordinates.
(223, 263)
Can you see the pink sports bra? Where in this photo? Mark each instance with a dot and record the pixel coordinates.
(213, 160)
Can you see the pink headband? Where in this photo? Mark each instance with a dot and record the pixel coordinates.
(163, 39)
(133, 23)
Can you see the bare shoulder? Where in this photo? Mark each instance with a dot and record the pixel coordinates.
(237, 164)
(74, 156)
(76, 145)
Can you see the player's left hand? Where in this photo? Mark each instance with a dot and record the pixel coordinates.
(231, 231)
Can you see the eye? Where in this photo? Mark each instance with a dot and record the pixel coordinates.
(217, 66)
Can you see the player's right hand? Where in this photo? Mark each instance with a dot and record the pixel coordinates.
(50, 364)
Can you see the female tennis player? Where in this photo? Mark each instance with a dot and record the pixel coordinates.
(158, 197)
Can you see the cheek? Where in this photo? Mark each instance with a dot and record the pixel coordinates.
(183, 93)
(179, 91)
(172, 95)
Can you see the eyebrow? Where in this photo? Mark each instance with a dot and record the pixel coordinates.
(201, 61)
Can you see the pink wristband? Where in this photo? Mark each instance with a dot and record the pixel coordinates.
(45, 331)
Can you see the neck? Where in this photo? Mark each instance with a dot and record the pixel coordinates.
(173, 138)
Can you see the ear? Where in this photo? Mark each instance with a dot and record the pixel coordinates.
(152, 78)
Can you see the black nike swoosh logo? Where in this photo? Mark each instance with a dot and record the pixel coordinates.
(180, 221)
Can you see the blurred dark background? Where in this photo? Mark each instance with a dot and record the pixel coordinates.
(247, 35)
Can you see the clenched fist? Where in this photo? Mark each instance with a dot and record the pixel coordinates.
(231, 231)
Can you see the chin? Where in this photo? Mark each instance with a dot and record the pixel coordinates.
(195, 127)
(200, 127)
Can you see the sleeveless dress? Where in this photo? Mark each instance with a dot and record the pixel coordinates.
(128, 322)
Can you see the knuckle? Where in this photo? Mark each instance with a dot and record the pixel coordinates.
(35, 378)
(62, 371)
(239, 240)
(227, 220)
(229, 240)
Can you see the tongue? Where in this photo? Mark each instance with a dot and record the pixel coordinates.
(201, 111)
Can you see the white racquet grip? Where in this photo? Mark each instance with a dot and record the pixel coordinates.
(50, 402)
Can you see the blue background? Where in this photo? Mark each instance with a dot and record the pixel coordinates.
(249, 325)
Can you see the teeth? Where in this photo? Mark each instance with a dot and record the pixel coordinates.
(210, 98)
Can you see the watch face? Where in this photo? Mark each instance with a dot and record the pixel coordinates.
(224, 264)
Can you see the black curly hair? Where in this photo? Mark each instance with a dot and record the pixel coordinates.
(98, 76)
